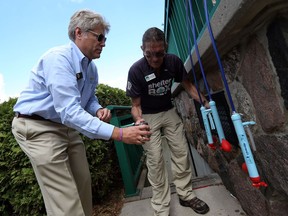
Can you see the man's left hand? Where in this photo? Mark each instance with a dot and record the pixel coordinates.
(104, 114)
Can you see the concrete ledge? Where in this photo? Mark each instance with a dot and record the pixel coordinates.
(233, 22)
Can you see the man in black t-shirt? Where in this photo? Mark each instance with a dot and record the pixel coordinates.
(149, 86)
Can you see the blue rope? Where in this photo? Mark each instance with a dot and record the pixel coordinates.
(197, 50)
(190, 56)
(218, 57)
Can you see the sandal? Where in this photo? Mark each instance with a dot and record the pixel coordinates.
(196, 204)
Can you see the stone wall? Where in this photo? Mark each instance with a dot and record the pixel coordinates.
(257, 72)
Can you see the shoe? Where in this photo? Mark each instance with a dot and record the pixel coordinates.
(196, 204)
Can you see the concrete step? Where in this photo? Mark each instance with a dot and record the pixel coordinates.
(208, 188)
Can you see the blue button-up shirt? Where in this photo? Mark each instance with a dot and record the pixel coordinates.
(62, 88)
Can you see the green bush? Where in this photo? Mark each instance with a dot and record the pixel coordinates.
(20, 194)
(19, 191)
(112, 96)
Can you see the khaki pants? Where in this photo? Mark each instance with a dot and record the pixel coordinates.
(171, 125)
(58, 157)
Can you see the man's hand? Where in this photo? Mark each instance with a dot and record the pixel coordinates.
(104, 114)
(132, 135)
(138, 122)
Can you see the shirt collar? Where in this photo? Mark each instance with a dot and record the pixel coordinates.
(82, 59)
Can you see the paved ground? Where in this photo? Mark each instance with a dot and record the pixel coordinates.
(208, 188)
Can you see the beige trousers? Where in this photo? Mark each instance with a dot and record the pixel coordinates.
(58, 157)
(172, 128)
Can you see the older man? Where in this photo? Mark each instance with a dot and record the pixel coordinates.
(60, 102)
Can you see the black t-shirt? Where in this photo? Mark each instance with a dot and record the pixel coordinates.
(155, 90)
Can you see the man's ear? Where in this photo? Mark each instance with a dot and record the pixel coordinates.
(142, 47)
(78, 32)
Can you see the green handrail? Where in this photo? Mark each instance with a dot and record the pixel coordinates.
(130, 157)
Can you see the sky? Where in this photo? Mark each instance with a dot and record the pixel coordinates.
(31, 27)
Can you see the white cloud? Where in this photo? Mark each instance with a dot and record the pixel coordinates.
(114, 74)
(3, 96)
(116, 82)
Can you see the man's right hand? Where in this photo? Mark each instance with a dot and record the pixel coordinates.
(133, 135)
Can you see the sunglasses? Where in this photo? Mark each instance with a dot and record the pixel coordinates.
(149, 55)
(99, 37)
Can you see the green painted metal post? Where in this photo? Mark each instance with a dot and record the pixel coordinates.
(130, 157)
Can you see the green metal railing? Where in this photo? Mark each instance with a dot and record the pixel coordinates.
(130, 157)
(176, 24)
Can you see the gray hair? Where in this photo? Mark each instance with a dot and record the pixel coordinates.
(153, 35)
(85, 20)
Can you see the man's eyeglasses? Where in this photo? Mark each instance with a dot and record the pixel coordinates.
(149, 55)
(99, 37)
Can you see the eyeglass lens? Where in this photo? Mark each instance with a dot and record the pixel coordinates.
(155, 54)
(100, 37)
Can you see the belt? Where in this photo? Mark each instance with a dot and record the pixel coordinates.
(33, 116)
